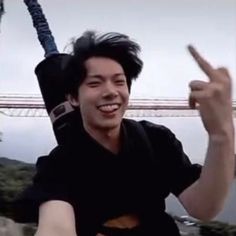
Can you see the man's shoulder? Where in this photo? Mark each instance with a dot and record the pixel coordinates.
(57, 154)
(149, 127)
(54, 165)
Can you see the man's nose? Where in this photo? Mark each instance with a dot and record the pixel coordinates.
(110, 90)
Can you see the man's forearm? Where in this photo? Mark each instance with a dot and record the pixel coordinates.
(52, 232)
(206, 197)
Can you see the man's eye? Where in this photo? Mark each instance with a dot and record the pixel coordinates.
(93, 83)
(120, 81)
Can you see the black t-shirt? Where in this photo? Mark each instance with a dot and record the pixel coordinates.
(101, 185)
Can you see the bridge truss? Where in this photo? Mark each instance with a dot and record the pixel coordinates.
(26, 105)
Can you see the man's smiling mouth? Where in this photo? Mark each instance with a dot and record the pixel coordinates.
(109, 107)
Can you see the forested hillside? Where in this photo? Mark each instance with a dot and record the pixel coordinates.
(14, 177)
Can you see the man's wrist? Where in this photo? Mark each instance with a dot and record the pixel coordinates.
(223, 136)
(226, 133)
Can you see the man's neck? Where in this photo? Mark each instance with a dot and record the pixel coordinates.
(110, 139)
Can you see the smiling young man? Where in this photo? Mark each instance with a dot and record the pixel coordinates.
(103, 99)
(113, 179)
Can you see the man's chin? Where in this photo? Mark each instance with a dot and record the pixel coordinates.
(107, 125)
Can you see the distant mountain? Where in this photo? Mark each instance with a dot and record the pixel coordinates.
(10, 162)
(15, 176)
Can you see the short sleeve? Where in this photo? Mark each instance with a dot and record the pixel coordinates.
(179, 172)
(49, 183)
(182, 172)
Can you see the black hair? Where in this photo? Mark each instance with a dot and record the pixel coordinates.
(116, 46)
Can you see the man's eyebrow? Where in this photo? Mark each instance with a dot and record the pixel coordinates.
(119, 74)
(98, 76)
(95, 76)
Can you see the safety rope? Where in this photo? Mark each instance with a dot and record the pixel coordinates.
(41, 25)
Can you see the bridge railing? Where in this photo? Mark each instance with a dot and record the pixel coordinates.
(22, 105)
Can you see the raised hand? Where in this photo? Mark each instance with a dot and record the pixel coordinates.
(213, 99)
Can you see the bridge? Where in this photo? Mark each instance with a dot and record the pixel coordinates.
(28, 105)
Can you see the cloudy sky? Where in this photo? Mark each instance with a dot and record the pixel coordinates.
(163, 28)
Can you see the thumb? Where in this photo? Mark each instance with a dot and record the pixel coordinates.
(192, 102)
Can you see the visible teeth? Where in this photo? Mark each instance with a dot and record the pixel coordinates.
(108, 108)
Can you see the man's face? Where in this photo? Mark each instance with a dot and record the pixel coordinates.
(103, 96)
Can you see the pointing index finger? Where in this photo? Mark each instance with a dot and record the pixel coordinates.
(203, 64)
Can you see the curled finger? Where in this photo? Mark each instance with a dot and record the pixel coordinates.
(197, 85)
(195, 98)
(191, 102)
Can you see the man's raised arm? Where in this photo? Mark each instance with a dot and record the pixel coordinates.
(205, 198)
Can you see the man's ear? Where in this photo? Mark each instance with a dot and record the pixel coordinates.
(72, 100)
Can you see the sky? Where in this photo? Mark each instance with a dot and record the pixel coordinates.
(163, 28)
